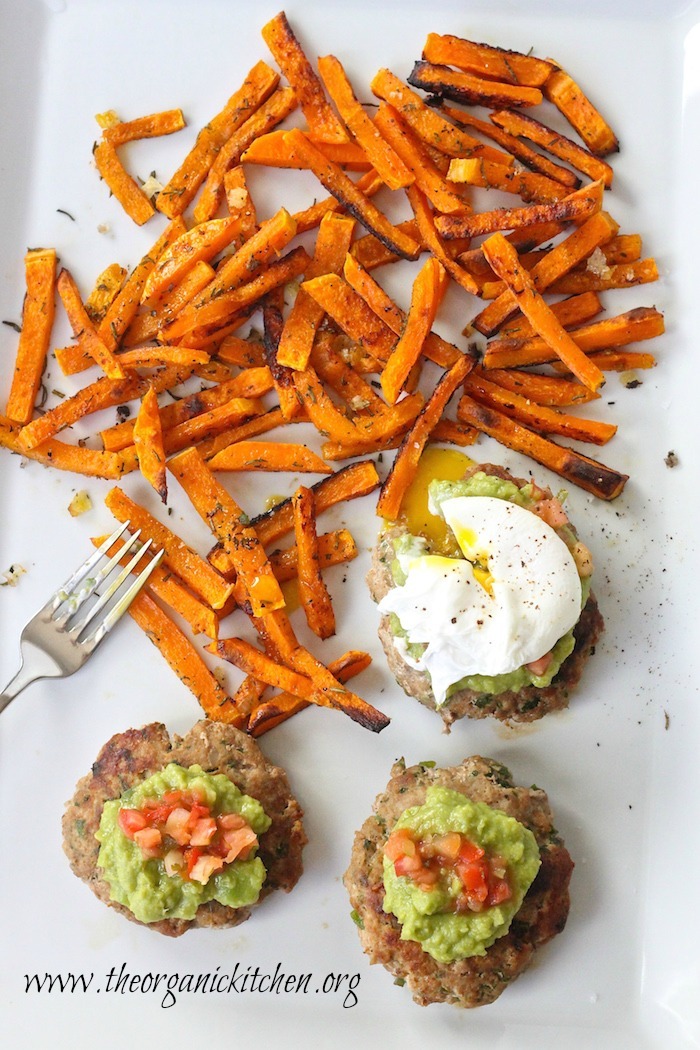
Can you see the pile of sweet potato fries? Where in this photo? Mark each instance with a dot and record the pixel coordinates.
(336, 351)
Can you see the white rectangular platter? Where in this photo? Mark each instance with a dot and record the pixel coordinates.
(620, 766)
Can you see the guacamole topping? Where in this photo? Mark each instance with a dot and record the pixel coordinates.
(408, 548)
(164, 844)
(477, 865)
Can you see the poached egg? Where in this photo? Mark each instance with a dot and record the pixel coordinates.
(515, 592)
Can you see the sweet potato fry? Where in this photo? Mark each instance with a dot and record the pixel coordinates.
(580, 244)
(495, 63)
(165, 585)
(467, 88)
(260, 666)
(328, 692)
(35, 335)
(577, 309)
(427, 293)
(253, 427)
(352, 482)
(504, 260)
(428, 123)
(270, 713)
(121, 185)
(290, 57)
(426, 175)
(538, 417)
(529, 185)
(301, 667)
(553, 142)
(588, 474)
(575, 207)
(567, 96)
(103, 393)
(83, 328)
(180, 190)
(184, 659)
(333, 548)
(385, 161)
(246, 353)
(430, 236)
(620, 275)
(267, 116)
(335, 372)
(273, 150)
(203, 242)
(406, 461)
(193, 570)
(123, 307)
(351, 198)
(616, 361)
(90, 462)
(302, 323)
(315, 599)
(553, 391)
(239, 541)
(210, 423)
(351, 314)
(269, 455)
(148, 439)
(371, 253)
(152, 126)
(643, 322)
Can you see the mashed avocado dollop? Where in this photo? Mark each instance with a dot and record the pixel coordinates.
(142, 884)
(428, 915)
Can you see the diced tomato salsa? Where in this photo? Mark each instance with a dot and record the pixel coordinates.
(180, 829)
(437, 858)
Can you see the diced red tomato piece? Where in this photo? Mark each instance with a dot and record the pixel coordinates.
(499, 892)
(205, 867)
(399, 844)
(238, 842)
(539, 667)
(149, 841)
(231, 821)
(203, 832)
(131, 820)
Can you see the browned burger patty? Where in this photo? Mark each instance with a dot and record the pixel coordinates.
(478, 980)
(131, 757)
(524, 705)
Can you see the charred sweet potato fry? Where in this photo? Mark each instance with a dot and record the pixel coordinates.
(290, 57)
(444, 82)
(495, 63)
(588, 474)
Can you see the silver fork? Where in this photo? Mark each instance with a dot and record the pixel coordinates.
(56, 642)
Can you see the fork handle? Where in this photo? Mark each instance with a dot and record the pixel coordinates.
(22, 679)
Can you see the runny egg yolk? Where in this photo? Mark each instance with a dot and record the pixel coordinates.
(444, 463)
(479, 559)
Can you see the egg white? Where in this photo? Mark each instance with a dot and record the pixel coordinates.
(523, 596)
